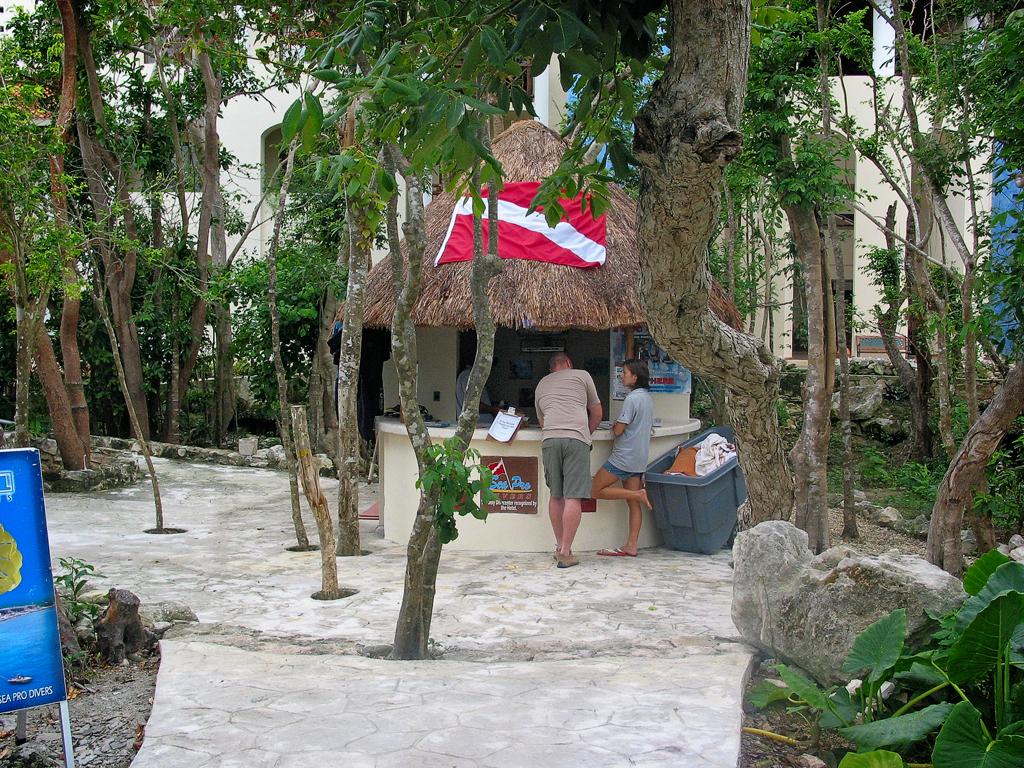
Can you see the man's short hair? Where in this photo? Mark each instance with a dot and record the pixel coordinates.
(557, 360)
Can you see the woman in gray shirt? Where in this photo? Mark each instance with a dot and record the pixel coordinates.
(630, 454)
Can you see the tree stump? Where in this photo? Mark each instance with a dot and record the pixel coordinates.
(119, 630)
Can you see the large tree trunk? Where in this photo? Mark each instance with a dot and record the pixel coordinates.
(72, 453)
(966, 472)
(283, 418)
(685, 135)
(119, 264)
(59, 192)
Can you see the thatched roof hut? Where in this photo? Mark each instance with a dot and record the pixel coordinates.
(529, 294)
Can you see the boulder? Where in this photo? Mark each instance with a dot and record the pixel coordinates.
(247, 445)
(808, 610)
(169, 611)
(1016, 541)
(866, 397)
(889, 516)
(1017, 554)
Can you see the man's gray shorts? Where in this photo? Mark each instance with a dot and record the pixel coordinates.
(567, 467)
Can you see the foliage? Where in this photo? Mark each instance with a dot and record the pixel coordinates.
(454, 485)
(966, 686)
(71, 582)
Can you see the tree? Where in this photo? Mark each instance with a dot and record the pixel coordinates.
(789, 107)
(40, 244)
(283, 419)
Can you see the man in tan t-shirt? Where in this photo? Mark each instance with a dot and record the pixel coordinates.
(569, 411)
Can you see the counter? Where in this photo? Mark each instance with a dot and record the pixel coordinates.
(512, 531)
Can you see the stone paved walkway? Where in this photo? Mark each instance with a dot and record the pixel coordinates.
(616, 662)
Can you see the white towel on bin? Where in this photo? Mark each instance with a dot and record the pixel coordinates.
(713, 451)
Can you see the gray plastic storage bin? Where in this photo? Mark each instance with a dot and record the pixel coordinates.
(696, 514)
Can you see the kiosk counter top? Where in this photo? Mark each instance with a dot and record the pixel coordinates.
(519, 521)
(531, 432)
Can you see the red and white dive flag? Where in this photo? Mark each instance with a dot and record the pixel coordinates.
(578, 240)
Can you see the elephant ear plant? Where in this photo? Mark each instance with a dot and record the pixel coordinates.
(961, 697)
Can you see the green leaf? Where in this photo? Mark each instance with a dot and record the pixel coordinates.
(766, 693)
(877, 759)
(878, 647)
(962, 743)
(1008, 577)
(985, 639)
(314, 120)
(10, 562)
(541, 53)
(898, 731)
(803, 687)
(454, 115)
(493, 46)
(290, 124)
(328, 75)
(922, 675)
(978, 574)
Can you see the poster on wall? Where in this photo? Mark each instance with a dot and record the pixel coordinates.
(514, 484)
(667, 376)
(31, 667)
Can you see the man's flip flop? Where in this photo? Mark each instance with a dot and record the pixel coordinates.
(617, 552)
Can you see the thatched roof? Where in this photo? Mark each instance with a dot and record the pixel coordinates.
(529, 294)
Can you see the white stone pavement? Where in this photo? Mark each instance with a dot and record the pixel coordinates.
(619, 661)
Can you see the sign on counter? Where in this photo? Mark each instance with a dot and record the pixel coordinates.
(514, 483)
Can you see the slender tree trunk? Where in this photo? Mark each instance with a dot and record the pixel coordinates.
(324, 362)
(839, 293)
(174, 390)
(810, 454)
(318, 503)
(101, 308)
(833, 253)
(917, 378)
(685, 135)
(360, 241)
(27, 318)
(412, 632)
(981, 524)
(25, 331)
(275, 334)
(224, 370)
(966, 471)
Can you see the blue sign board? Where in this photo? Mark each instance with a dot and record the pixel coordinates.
(31, 667)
